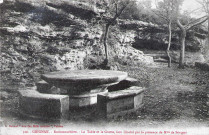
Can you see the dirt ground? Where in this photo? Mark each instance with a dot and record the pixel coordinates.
(175, 98)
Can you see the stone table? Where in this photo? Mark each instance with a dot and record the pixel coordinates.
(84, 85)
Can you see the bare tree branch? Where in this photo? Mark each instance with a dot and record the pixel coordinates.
(116, 6)
(197, 22)
(180, 25)
(205, 5)
(119, 12)
(162, 16)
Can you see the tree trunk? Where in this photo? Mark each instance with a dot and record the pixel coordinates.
(206, 48)
(182, 52)
(169, 44)
(105, 43)
(208, 35)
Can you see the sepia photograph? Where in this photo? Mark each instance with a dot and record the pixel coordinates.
(104, 67)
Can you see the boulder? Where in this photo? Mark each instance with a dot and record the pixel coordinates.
(203, 66)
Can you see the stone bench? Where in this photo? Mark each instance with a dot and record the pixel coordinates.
(38, 105)
(124, 84)
(44, 87)
(119, 103)
(203, 66)
(75, 101)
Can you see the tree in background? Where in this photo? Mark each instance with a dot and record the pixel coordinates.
(114, 8)
(205, 7)
(166, 11)
(139, 11)
(183, 30)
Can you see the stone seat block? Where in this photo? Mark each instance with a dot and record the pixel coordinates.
(43, 87)
(119, 103)
(124, 84)
(38, 105)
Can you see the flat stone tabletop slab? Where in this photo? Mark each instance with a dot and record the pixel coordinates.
(78, 81)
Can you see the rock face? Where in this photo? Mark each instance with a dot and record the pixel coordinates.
(154, 37)
(39, 37)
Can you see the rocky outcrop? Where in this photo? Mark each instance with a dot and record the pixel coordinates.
(39, 37)
(155, 37)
